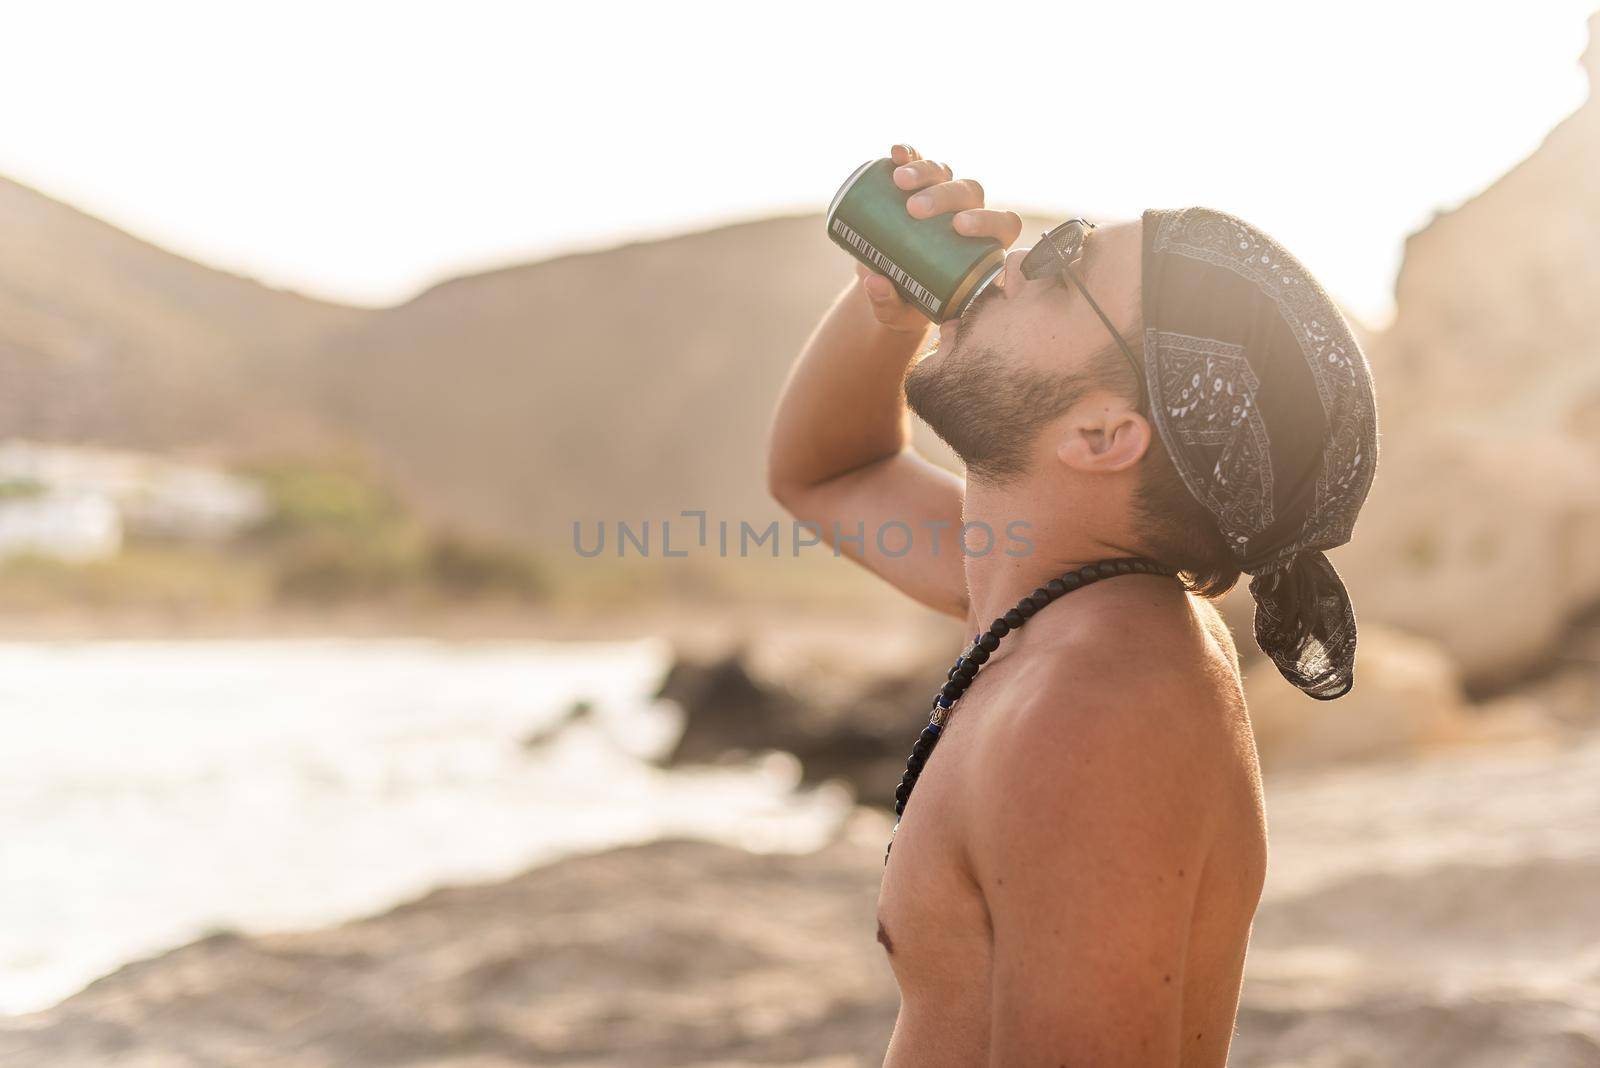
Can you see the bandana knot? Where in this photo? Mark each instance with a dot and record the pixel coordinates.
(1264, 401)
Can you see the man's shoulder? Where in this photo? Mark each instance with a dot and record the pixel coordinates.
(1140, 709)
(1090, 767)
(1105, 702)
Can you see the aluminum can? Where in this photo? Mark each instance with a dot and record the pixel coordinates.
(936, 269)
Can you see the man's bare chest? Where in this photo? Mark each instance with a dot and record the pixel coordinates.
(931, 913)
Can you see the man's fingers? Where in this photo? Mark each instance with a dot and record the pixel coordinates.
(888, 307)
(881, 291)
(920, 173)
(946, 196)
(1003, 226)
(903, 154)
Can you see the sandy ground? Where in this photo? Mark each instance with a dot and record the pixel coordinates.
(1438, 913)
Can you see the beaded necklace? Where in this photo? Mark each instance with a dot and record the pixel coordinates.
(976, 654)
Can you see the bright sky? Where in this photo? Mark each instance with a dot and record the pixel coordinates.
(361, 151)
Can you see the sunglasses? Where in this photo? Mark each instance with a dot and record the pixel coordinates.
(1054, 257)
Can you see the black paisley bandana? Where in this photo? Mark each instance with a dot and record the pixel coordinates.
(1265, 403)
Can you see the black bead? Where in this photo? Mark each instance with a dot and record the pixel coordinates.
(930, 732)
(966, 671)
(953, 689)
(1070, 581)
(902, 792)
(999, 628)
(1056, 587)
(952, 672)
(916, 761)
(1013, 618)
(979, 656)
(970, 653)
(989, 642)
(1126, 566)
(923, 747)
(899, 810)
(1042, 597)
(1024, 608)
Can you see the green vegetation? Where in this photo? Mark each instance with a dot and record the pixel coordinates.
(333, 535)
(12, 489)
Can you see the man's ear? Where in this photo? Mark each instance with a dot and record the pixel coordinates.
(1104, 435)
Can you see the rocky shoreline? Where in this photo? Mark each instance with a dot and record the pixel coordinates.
(1437, 913)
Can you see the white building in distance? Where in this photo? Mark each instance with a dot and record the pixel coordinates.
(78, 503)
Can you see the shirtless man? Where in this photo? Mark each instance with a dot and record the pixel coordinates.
(1075, 879)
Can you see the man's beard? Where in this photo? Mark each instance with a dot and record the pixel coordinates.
(989, 414)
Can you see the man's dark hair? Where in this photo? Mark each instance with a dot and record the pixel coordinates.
(1175, 527)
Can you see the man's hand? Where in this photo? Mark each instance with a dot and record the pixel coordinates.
(937, 191)
(840, 455)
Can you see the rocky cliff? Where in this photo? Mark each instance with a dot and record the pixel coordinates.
(1483, 528)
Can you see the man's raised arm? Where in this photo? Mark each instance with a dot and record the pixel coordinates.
(840, 455)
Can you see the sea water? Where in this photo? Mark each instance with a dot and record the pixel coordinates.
(153, 792)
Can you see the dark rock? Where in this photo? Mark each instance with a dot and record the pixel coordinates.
(861, 737)
(726, 709)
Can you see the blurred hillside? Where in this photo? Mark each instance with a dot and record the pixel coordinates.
(105, 338)
(625, 384)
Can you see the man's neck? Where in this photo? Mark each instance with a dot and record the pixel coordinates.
(1033, 542)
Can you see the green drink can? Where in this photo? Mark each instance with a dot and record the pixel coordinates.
(935, 269)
